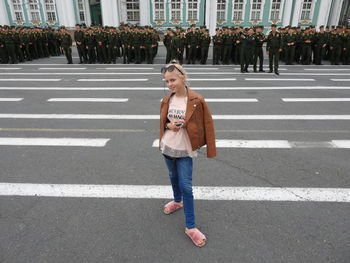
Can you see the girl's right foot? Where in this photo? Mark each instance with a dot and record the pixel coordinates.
(171, 207)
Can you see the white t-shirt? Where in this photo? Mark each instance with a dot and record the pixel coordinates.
(177, 144)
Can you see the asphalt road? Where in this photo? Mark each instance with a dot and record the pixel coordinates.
(87, 229)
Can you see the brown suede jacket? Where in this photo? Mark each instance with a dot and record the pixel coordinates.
(198, 122)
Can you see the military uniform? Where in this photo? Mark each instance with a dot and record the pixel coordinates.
(217, 41)
(67, 42)
(273, 47)
(320, 47)
(289, 47)
(192, 42)
(90, 41)
(260, 39)
(79, 37)
(204, 43)
(336, 43)
(306, 40)
(248, 43)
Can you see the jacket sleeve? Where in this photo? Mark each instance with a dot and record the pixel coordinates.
(209, 131)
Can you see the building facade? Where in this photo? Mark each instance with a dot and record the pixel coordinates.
(170, 13)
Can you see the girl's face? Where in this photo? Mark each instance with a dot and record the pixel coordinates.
(174, 82)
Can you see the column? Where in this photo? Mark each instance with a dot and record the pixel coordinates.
(122, 11)
(287, 12)
(297, 12)
(144, 13)
(335, 13)
(323, 14)
(210, 12)
(4, 20)
(110, 14)
(65, 12)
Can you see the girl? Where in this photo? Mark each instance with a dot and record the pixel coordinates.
(185, 125)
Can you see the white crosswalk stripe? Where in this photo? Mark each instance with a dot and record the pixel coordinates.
(341, 195)
(277, 144)
(85, 142)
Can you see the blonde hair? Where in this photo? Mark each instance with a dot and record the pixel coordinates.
(180, 71)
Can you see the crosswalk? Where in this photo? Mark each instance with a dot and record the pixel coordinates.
(94, 107)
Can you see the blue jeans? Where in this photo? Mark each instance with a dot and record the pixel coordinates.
(180, 173)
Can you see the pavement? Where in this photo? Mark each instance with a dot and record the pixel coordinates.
(83, 181)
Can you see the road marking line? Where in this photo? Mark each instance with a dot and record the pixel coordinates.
(127, 68)
(30, 80)
(109, 80)
(228, 100)
(10, 68)
(222, 79)
(60, 69)
(231, 100)
(108, 73)
(262, 72)
(277, 79)
(339, 195)
(156, 117)
(73, 130)
(87, 100)
(340, 79)
(193, 88)
(314, 99)
(101, 142)
(276, 144)
(11, 99)
(327, 69)
(315, 74)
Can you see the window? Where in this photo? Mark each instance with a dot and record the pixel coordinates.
(275, 10)
(256, 10)
(192, 9)
(17, 8)
(221, 10)
(175, 9)
(306, 10)
(81, 10)
(50, 10)
(133, 10)
(34, 14)
(238, 6)
(159, 10)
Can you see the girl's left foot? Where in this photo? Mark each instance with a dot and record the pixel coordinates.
(197, 237)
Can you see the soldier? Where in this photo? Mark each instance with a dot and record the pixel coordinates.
(79, 37)
(90, 42)
(247, 50)
(306, 40)
(192, 43)
(289, 46)
(237, 38)
(9, 43)
(67, 42)
(260, 39)
(320, 45)
(347, 47)
(274, 47)
(3, 51)
(111, 46)
(166, 42)
(174, 46)
(227, 41)
(298, 45)
(336, 43)
(204, 43)
(137, 44)
(101, 39)
(217, 41)
(183, 41)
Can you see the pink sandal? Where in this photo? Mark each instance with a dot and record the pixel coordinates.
(197, 237)
(171, 207)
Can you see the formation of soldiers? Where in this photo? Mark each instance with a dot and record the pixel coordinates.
(245, 46)
(19, 44)
(106, 44)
